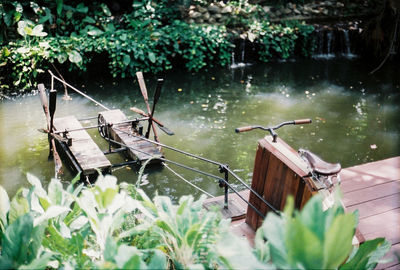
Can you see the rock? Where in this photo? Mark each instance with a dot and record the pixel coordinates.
(227, 9)
(287, 11)
(190, 21)
(267, 9)
(217, 16)
(214, 9)
(206, 16)
(277, 13)
(211, 20)
(296, 11)
(199, 20)
(201, 9)
(194, 14)
(339, 4)
(325, 12)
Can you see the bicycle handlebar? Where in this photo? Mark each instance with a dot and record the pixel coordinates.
(302, 121)
(272, 129)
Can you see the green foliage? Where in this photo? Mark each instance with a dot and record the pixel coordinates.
(118, 227)
(283, 40)
(310, 239)
(150, 37)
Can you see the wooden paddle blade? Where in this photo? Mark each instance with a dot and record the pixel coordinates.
(142, 85)
(157, 93)
(52, 107)
(138, 111)
(43, 100)
(57, 159)
(166, 130)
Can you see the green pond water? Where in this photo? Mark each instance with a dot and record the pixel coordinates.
(355, 119)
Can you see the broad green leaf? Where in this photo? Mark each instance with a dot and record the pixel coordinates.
(110, 250)
(126, 59)
(19, 205)
(35, 182)
(158, 260)
(236, 254)
(314, 217)
(62, 57)
(59, 6)
(274, 230)
(304, 247)
(261, 248)
(94, 31)
(124, 254)
(152, 57)
(21, 241)
(57, 243)
(52, 212)
(105, 9)
(39, 263)
(78, 223)
(340, 234)
(4, 206)
(55, 191)
(88, 19)
(368, 254)
(74, 57)
(64, 230)
(81, 8)
(135, 262)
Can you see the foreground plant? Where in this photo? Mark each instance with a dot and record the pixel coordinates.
(119, 227)
(316, 239)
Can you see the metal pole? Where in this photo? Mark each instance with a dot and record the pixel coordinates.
(79, 92)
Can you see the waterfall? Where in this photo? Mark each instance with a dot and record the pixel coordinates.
(332, 41)
(347, 44)
(243, 49)
(242, 52)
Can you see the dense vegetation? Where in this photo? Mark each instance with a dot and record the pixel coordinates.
(118, 227)
(151, 36)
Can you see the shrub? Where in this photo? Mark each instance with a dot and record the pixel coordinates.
(117, 226)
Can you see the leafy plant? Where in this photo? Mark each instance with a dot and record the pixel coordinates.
(118, 227)
(316, 239)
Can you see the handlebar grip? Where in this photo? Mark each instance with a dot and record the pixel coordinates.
(302, 121)
(243, 129)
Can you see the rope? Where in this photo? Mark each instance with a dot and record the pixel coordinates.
(79, 92)
(193, 185)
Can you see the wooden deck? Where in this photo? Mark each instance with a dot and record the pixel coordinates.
(373, 189)
(83, 154)
(121, 131)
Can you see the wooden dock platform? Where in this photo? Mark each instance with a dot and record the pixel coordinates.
(373, 189)
(83, 154)
(121, 130)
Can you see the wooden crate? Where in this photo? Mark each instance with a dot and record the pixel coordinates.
(279, 171)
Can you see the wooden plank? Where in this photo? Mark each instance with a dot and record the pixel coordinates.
(83, 148)
(139, 149)
(234, 211)
(377, 206)
(257, 183)
(371, 193)
(386, 225)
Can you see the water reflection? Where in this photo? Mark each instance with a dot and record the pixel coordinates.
(355, 119)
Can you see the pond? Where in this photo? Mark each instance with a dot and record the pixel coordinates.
(355, 119)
